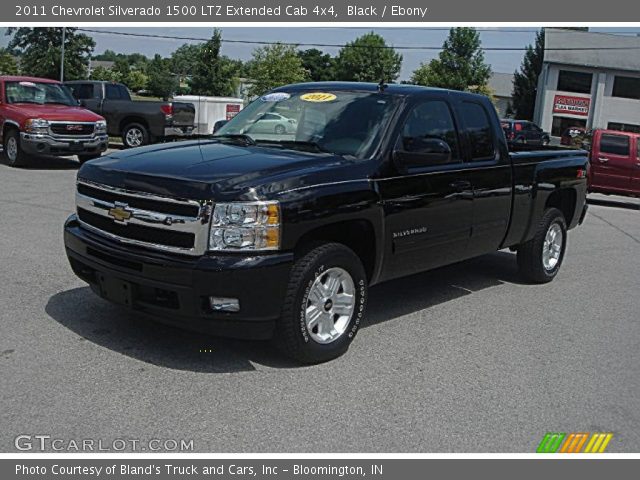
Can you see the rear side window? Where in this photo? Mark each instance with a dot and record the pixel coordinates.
(614, 144)
(478, 130)
(115, 92)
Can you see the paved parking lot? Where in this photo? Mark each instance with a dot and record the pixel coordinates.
(465, 358)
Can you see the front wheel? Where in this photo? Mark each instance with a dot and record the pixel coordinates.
(540, 258)
(324, 305)
(13, 152)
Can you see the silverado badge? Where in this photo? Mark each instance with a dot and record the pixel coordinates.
(119, 212)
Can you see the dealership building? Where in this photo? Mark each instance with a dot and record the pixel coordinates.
(590, 88)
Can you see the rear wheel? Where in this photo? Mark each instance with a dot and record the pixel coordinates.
(12, 151)
(135, 135)
(540, 258)
(324, 305)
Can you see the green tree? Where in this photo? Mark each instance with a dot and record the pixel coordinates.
(525, 81)
(368, 59)
(136, 80)
(459, 66)
(162, 83)
(8, 64)
(184, 58)
(213, 74)
(40, 49)
(272, 66)
(105, 74)
(107, 56)
(320, 66)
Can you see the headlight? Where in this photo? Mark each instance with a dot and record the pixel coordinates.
(36, 125)
(245, 226)
(101, 126)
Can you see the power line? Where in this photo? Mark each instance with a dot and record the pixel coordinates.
(337, 45)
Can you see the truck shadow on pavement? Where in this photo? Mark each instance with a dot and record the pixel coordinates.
(137, 336)
(49, 163)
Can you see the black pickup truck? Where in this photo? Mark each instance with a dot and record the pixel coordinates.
(279, 235)
(138, 123)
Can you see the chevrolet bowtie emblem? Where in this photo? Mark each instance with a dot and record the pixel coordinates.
(120, 213)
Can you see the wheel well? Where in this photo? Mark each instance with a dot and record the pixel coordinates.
(565, 201)
(358, 235)
(130, 120)
(6, 128)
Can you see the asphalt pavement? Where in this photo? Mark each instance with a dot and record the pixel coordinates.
(466, 358)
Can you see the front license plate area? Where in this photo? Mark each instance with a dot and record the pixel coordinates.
(115, 290)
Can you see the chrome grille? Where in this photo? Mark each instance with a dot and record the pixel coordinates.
(143, 219)
(72, 129)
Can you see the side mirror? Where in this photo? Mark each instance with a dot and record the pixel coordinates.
(420, 151)
(219, 124)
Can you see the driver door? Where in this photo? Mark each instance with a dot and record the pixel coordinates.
(428, 202)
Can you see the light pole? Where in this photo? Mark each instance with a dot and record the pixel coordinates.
(62, 55)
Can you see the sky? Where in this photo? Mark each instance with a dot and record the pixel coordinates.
(501, 61)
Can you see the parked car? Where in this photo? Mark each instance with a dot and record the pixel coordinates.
(615, 163)
(39, 116)
(261, 235)
(522, 131)
(272, 123)
(572, 136)
(138, 123)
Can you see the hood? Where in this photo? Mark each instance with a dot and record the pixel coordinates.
(211, 170)
(56, 112)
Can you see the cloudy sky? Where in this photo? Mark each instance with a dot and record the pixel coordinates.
(430, 37)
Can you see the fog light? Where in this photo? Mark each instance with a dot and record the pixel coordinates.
(222, 304)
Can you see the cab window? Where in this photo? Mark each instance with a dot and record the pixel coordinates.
(477, 128)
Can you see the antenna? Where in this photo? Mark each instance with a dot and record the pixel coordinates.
(382, 85)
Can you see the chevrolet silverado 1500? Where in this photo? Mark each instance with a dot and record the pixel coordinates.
(280, 234)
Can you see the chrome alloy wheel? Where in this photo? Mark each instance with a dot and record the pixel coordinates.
(12, 149)
(330, 305)
(134, 137)
(552, 247)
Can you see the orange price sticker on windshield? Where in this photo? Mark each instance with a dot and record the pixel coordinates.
(318, 97)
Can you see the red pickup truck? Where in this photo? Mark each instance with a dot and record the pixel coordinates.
(615, 163)
(39, 116)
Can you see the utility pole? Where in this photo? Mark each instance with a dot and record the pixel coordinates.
(62, 55)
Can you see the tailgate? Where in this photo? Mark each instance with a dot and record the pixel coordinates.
(184, 114)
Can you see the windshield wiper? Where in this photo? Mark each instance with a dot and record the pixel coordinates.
(305, 145)
(237, 136)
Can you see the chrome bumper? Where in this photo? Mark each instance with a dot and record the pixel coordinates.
(45, 144)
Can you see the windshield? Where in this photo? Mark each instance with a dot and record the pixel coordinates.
(40, 93)
(340, 122)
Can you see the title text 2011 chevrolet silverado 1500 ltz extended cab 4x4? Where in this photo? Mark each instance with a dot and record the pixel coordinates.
(39, 116)
(138, 123)
(280, 235)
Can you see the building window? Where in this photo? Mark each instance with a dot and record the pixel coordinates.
(614, 144)
(623, 127)
(576, 82)
(626, 87)
(561, 124)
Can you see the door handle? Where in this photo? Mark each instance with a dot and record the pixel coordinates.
(460, 185)
(603, 159)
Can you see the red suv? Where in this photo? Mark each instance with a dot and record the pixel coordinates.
(40, 117)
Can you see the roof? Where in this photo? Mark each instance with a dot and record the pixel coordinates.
(627, 58)
(501, 84)
(391, 88)
(20, 78)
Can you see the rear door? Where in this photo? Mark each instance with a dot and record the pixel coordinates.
(612, 164)
(428, 201)
(89, 94)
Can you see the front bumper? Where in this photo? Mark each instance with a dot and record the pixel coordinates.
(41, 144)
(175, 289)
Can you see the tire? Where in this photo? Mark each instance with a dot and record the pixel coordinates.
(86, 158)
(12, 151)
(135, 135)
(545, 141)
(310, 341)
(540, 258)
(280, 129)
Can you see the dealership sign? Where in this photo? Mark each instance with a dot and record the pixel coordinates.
(572, 105)
(232, 110)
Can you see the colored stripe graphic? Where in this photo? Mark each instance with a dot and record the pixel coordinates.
(550, 442)
(598, 442)
(574, 443)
